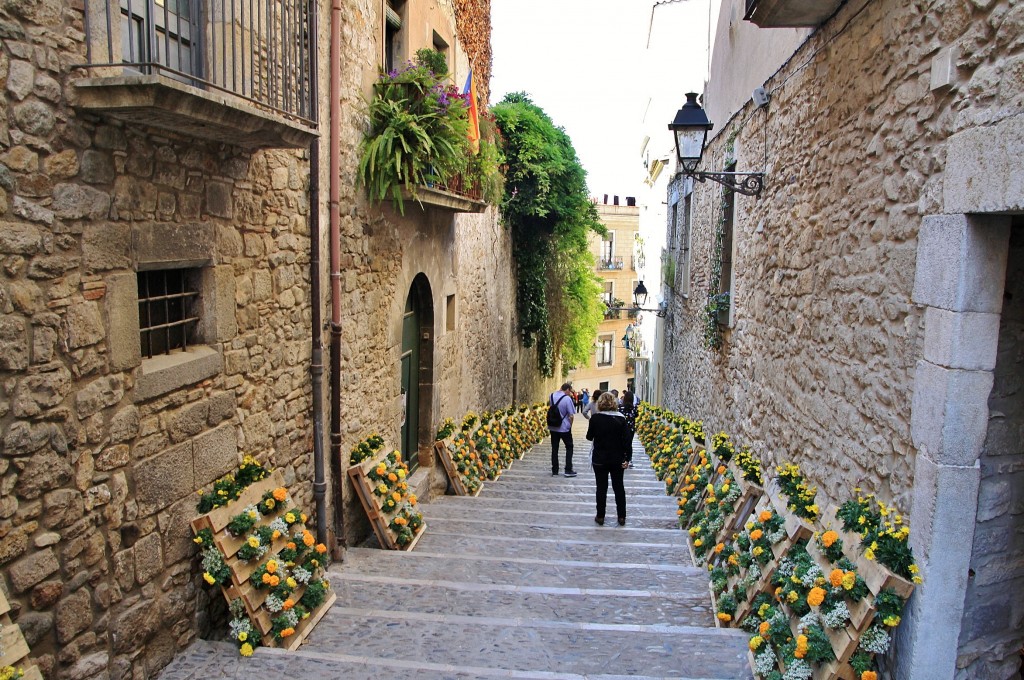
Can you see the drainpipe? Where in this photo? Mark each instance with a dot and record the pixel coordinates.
(317, 362)
(335, 228)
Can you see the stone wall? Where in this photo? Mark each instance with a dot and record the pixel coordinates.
(818, 366)
(103, 450)
(993, 623)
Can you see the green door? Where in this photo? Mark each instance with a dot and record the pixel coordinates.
(410, 382)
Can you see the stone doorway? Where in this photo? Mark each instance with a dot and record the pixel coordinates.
(417, 370)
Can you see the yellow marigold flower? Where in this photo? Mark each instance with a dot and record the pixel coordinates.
(792, 596)
(290, 518)
(209, 579)
(724, 618)
(253, 542)
(849, 580)
(245, 649)
(271, 566)
(698, 543)
(292, 583)
(758, 551)
(869, 553)
(756, 642)
(270, 503)
(918, 580)
(734, 560)
(243, 636)
(892, 621)
(197, 540)
(401, 473)
(763, 609)
(725, 488)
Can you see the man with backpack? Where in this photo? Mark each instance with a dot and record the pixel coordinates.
(560, 415)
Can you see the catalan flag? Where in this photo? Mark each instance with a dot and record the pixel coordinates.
(474, 113)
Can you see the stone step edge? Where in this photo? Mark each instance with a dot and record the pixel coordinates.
(363, 555)
(413, 665)
(360, 616)
(510, 588)
(559, 541)
(557, 527)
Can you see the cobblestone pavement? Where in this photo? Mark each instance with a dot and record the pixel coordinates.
(518, 582)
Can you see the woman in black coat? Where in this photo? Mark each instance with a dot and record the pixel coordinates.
(612, 443)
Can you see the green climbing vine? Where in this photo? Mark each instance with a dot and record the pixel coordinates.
(717, 302)
(547, 208)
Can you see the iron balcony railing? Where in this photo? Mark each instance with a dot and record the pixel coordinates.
(259, 50)
(610, 263)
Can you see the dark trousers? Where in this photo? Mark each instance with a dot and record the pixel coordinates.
(555, 438)
(601, 472)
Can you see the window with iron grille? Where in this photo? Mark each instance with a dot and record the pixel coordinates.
(605, 357)
(168, 310)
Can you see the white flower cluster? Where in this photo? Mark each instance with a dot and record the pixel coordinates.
(809, 619)
(274, 603)
(715, 525)
(786, 567)
(798, 669)
(292, 618)
(751, 577)
(239, 626)
(212, 559)
(777, 536)
(733, 494)
(764, 663)
(811, 575)
(280, 525)
(875, 640)
(301, 574)
(253, 512)
(837, 616)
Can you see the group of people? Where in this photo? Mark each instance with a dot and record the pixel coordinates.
(612, 424)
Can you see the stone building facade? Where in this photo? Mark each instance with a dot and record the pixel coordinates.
(103, 447)
(871, 336)
(611, 367)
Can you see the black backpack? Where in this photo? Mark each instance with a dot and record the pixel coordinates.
(554, 415)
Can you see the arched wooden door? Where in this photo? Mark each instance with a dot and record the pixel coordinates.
(417, 369)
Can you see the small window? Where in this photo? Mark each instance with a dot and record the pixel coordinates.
(605, 351)
(393, 34)
(608, 249)
(441, 45)
(449, 317)
(168, 310)
(603, 386)
(607, 294)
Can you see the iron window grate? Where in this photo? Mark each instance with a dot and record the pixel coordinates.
(166, 310)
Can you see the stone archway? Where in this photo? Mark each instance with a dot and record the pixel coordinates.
(417, 370)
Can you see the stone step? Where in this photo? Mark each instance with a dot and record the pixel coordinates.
(511, 573)
(643, 507)
(577, 516)
(526, 602)
(436, 540)
(583, 529)
(534, 646)
(220, 661)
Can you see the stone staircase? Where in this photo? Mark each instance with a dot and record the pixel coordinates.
(518, 582)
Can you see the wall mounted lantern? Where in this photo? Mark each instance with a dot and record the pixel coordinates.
(639, 300)
(691, 126)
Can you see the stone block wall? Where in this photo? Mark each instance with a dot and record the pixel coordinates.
(993, 621)
(818, 367)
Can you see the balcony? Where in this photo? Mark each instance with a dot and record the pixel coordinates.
(790, 13)
(611, 263)
(453, 195)
(230, 71)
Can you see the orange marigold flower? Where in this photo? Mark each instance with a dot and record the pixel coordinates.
(756, 534)
(764, 516)
(321, 548)
(719, 548)
(869, 675)
(288, 604)
(835, 577)
(266, 578)
(287, 632)
(290, 545)
(307, 539)
(274, 581)
(280, 493)
(816, 596)
(764, 628)
(828, 538)
(392, 477)
(721, 469)
(271, 567)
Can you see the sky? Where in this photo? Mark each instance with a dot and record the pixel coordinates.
(589, 65)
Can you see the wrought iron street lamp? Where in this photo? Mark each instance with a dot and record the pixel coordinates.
(691, 126)
(639, 300)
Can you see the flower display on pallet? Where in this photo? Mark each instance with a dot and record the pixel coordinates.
(722, 447)
(242, 631)
(884, 536)
(749, 465)
(466, 462)
(391, 489)
(800, 496)
(366, 449)
(11, 673)
(446, 429)
(230, 486)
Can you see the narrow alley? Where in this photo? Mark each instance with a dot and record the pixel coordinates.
(518, 582)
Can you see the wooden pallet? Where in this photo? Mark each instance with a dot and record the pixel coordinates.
(14, 650)
(240, 586)
(874, 574)
(379, 519)
(454, 476)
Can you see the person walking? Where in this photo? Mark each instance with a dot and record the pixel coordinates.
(629, 410)
(591, 408)
(584, 400)
(612, 442)
(562, 400)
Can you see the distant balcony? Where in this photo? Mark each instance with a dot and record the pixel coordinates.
(232, 71)
(610, 263)
(789, 13)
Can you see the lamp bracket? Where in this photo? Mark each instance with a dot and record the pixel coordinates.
(659, 312)
(746, 183)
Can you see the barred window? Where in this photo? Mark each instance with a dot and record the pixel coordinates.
(168, 310)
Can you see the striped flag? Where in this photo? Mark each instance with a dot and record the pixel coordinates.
(474, 114)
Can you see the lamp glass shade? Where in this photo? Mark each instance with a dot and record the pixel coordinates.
(690, 126)
(640, 295)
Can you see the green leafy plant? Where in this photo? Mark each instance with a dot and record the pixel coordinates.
(433, 60)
